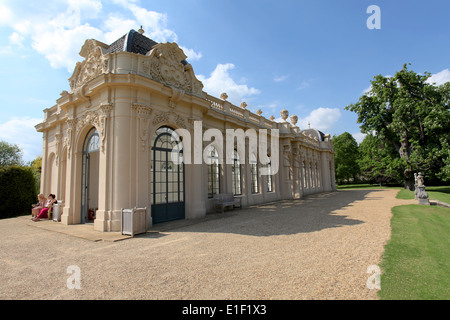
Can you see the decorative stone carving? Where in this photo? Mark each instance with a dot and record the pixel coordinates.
(179, 121)
(170, 116)
(59, 139)
(223, 96)
(145, 66)
(259, 112)
(143, 114)
(243, 105)
(165, 65)
(71, 126)
(176, 96)
(272, 118)
(160, 116)
(93, 64)
(142, 110)
(98, 120)
(287, 155)
(284, 114)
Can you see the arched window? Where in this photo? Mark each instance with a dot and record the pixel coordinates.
(254, 173)
(269, 177)
(168, 176)
(213, 172)
(304, 175)
(236, 174)
(90, 165)
(318, 177)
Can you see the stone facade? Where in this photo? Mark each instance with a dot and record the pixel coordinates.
(99, 139)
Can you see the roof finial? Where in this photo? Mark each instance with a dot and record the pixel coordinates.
(309, 125)
(141, 31)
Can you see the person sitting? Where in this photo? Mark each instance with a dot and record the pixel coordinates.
(36, 208)
(44, 211)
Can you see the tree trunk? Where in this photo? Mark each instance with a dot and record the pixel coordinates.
(409, 184)
(405, 152)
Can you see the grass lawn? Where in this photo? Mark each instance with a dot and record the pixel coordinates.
(437, 193)
(441, 193)
(416, 260)
(363, 186)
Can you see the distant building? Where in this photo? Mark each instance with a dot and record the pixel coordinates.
(107, 143)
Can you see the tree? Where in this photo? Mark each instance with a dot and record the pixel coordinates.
(10, 154)
(378, 161)
(36, 167)
(411, 117)
(346, 157)
(17, 186)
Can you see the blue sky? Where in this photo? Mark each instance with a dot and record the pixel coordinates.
(311, 57)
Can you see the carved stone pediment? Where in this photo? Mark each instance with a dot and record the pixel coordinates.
(166, 66)
(93, 64)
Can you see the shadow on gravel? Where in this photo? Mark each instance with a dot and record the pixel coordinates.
(286, 217)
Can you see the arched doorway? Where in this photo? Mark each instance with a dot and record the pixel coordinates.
(90, 176)
(168, 179)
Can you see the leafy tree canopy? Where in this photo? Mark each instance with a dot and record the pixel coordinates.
(411, 117)
(10, 154)
(346, 156)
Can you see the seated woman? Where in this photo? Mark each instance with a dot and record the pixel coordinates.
(36, 208)
(44, 211)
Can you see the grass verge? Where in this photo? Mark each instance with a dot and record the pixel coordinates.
(416, 260)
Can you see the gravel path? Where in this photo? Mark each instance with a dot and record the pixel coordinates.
(316, 248)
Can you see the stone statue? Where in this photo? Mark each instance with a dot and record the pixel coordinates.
(419, 192)
(419, 179)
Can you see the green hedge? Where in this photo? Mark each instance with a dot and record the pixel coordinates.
(17, 187)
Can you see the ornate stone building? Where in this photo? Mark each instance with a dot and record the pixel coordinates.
(106, 142)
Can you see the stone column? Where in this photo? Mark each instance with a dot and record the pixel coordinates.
(67, 213)
(101, 222)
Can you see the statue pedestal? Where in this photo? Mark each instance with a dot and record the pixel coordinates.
(421, 195)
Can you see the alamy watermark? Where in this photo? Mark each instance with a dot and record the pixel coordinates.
(374, 280)
(74, 281)
(235, 140)
(374, 21)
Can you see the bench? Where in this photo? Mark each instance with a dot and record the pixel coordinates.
(226, 200)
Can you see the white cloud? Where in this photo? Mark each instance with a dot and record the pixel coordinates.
(305, 84)
(60, 34)
(440, 77)
(359, 137)
(116, 26)
(321, 119)
(280, 79)
(61, 46)
(154, 24)
(6, 15)
(191, 54)
(221, 81)
(21, 131)
(16, 39)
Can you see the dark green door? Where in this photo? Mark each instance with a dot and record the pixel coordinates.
(168, 179)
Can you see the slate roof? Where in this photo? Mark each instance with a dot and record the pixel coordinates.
(133, 42)
(319, 134)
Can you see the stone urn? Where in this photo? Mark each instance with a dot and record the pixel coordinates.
(294, 120)
(284, 114)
